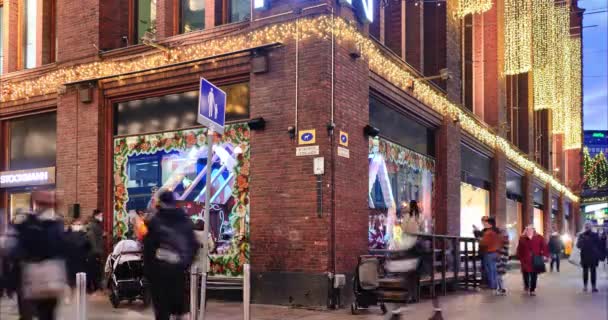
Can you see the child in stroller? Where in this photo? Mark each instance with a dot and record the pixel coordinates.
(125, 268)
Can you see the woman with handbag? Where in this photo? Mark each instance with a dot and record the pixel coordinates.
(532, 252)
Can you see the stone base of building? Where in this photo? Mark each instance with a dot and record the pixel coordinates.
(290, 288)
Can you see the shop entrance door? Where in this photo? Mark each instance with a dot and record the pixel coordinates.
(19, 201)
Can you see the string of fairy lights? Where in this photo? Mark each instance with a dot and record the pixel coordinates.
(537, 39)
(517, 36)
(466, 7)
(312, 27)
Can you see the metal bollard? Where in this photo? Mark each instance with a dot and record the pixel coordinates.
(81, 296)
(203, 306)
(193, 291)
(246, 292)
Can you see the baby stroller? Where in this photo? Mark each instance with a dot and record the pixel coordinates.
(366, 284)
(126, 274)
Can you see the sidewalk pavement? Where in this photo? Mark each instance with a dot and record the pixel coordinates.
(559, 298)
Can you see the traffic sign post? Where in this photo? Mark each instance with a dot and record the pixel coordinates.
(212, 114)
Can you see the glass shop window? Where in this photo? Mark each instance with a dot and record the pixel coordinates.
(145, 18)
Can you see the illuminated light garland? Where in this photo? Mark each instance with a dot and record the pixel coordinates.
(466, 7)
(319, 27)
(517, 36)
(544, 50)
(573, 106)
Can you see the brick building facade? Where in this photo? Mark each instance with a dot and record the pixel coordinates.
(298, 227)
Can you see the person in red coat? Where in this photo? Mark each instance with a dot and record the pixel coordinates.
(531, 244)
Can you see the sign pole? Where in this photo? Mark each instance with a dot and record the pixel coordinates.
(203, 294)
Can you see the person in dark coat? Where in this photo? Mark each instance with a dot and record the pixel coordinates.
(95, 259)
(589, 244)
(530, 244)
(170, 247)
(556, 247)
(40, 238)
(78, 248)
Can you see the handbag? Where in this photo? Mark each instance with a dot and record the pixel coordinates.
(538, 264)
(44, 279)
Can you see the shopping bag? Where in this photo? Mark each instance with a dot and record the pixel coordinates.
(44, 279)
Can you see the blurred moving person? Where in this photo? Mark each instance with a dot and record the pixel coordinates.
(532, 250)
(170, 247)
(589, 244)
(94, 264)
(78, 248)
(556, 247)
(41, 252)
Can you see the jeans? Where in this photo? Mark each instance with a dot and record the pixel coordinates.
(489, 265)
(500, 285)
(586, 271)
(555, 260)
(530, 280)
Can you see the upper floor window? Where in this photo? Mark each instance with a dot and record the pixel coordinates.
(194, 16)
(37, 49)
(29, 39)
(145, 18)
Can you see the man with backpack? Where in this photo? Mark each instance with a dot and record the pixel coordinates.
(170, 247)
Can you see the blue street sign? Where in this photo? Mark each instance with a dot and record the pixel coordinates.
(211, 106)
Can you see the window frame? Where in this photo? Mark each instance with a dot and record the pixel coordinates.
(1, 37)
(22, 34)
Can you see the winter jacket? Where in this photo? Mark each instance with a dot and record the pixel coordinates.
(555, 244)
(491, 241)
(78, 248)
(40, 237)
(95, 234)
(589, 244)
(169, 230)
(527, 248)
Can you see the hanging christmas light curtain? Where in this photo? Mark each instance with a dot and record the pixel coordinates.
(518, 36)
(544, 45)
(466, 7)
(573, 139)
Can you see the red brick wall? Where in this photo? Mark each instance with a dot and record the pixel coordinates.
(394, 28)
(351, 175)
(286, 233)
(78, 153)
(413, 35)
(114, 24)
(11, 16)
(77, 29)
(528, 201)
(498, 200)
(447, 189)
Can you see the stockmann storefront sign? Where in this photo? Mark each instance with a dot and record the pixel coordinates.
(25, 178)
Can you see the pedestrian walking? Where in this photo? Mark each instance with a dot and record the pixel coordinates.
(532, 251)
(490, 246)
(41, 252)
(170, 247)
(589, 244)
(556, 247)
(604, 246)
(503, 260)
(96, 237)
(78, 248)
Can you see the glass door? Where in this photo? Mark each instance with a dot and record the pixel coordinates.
(19, 201)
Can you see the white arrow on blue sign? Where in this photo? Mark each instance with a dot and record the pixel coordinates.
(211, 106)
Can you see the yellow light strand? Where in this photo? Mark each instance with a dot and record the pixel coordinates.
(573, 138)
(466, 7)
(517, 37)
(319, 27)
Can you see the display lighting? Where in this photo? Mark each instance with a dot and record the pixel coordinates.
(517, 36)
(317, 27)
(466, 7)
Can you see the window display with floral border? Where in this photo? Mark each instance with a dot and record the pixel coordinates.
(234, 146)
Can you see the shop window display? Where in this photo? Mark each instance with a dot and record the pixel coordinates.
(538, 221)
(514, 224)
(177, 161)
(399, 180)
(474, 204)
